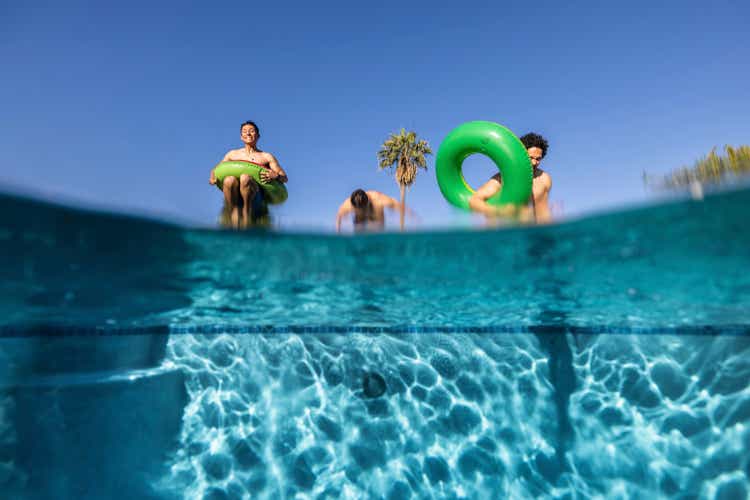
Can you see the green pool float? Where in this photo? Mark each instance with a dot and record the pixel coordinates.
(503, 148)
(274, 191)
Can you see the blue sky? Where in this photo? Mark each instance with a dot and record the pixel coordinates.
(128, 106)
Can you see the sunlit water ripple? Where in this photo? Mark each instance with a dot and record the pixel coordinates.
(606, 357)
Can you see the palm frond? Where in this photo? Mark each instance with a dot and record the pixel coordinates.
(404, 153)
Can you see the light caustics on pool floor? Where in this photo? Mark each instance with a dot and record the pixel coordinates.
(463, 416)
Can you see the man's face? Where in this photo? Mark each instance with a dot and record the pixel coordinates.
(249, 135)
(535, 155)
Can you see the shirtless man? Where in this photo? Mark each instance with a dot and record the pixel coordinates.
(245, 193)
(536, 147)
(368, 208)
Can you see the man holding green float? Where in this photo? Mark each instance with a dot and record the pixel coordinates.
(244, 193)
(538, 208)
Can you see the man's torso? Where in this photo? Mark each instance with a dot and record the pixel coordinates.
(539, 185)
(375, 216)
(257, 157)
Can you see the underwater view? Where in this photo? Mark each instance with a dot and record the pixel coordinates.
(602, 357)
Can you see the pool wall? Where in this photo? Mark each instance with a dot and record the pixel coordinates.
(86, 416)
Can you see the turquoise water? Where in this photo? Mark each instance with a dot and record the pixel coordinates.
(604, 357)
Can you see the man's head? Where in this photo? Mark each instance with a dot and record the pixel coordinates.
(359, 200)
(536, 147)
(249, 133)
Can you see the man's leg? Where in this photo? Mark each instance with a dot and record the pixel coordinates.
(248, 189)
(230, 186)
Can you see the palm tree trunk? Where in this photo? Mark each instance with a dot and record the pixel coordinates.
(403, 205)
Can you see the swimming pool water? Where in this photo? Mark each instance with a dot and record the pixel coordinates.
(605, 357)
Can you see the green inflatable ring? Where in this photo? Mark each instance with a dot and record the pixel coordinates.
(274, 191)
(503, 148)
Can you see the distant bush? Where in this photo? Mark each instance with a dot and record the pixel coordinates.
(713, 169)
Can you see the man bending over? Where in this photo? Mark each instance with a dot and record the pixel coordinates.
(368, 209)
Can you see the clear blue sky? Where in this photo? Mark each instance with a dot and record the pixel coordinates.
(129, 105)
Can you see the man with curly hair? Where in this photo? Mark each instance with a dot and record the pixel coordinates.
(538, 207)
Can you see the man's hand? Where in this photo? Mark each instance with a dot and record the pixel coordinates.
(507, 210)
(268, 175)
(212, 179)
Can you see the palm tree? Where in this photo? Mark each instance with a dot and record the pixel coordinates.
(404, 153)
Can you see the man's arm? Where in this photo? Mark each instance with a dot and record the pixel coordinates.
(384, 200)
(392, 203)
(396, 205)
(478, 201)
(212, 176)
(276, 171)
(344, 209)
(541, 202)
